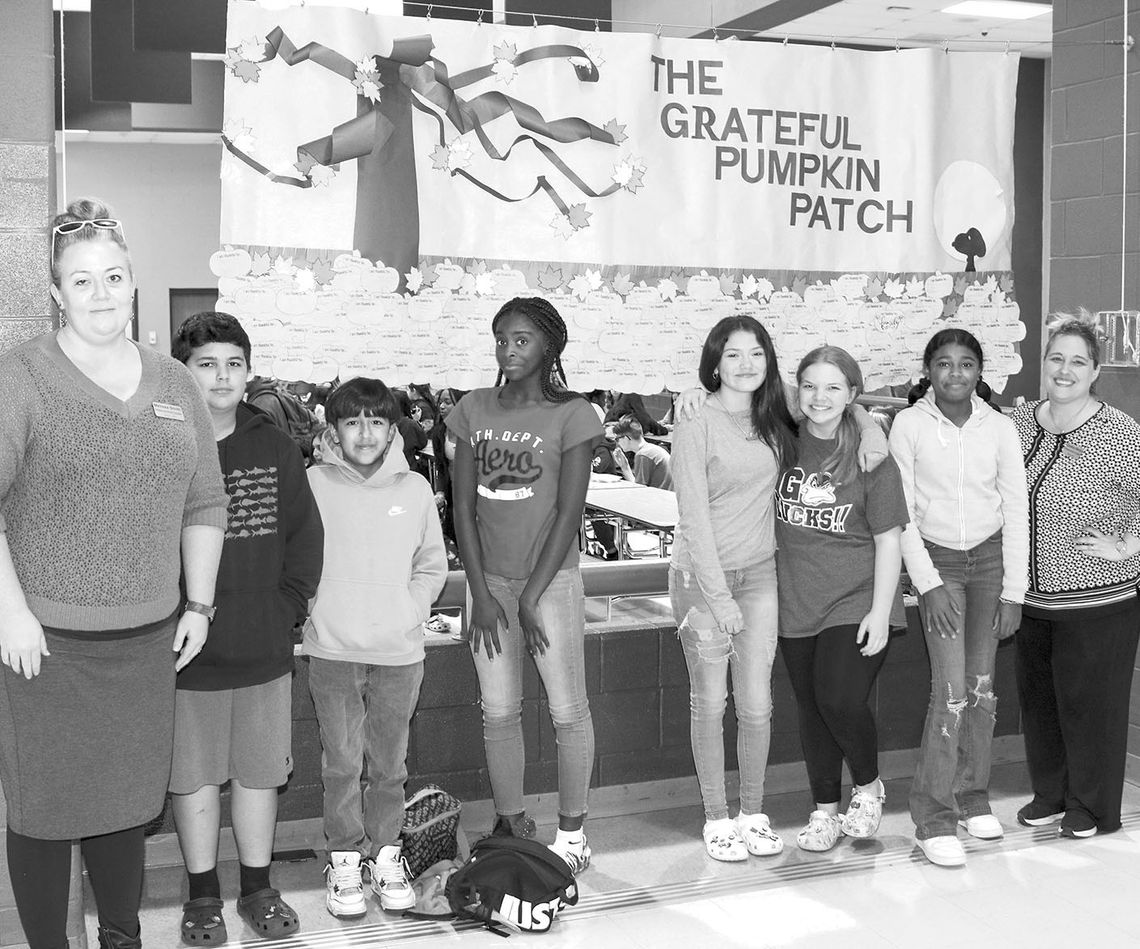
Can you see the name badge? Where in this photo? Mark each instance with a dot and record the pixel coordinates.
(1069, 450)
(167, 410)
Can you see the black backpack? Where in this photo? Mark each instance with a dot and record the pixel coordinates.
(303, 424)
(512, 882)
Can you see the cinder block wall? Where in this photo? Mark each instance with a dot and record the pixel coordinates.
(1089, 196)
(27, 200)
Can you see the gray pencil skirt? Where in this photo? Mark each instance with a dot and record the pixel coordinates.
(85, 746)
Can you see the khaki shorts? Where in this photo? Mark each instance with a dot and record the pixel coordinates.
(243, 735)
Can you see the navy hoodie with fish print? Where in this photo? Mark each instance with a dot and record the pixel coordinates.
(271, 560)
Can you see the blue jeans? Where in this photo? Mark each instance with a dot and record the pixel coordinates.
(953, 776)
(364, 712)
(562, 612)
(709, 654)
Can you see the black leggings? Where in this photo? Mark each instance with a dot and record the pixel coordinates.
(832, 681)
(41, 874)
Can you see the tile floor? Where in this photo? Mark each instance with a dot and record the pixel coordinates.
(651, 885)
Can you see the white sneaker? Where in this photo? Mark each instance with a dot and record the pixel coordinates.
(575, 850)
(983, 826)
(345, 895)
(390, 883)
(944, 851)
(758, 835)
(865, 812)
(723, 841)
(822, 832)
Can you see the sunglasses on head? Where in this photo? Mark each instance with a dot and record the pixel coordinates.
(74, 227)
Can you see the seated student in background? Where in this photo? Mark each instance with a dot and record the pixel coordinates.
(651, 464)
(233, 708)
(630, 403)
(384, 565)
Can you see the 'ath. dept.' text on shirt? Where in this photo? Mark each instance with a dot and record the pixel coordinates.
(518, 461)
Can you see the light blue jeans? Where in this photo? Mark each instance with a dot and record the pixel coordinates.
(562, 612)
(710, 654)
(364, 712)
(953, 775)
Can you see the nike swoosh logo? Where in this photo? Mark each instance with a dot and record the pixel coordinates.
(395, 510)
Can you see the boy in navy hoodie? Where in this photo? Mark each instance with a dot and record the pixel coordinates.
(233, 709)
(384, 565)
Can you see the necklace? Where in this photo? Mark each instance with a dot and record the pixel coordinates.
(748, 433)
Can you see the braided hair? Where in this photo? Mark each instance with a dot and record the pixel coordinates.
(952, 336)
(549, 322)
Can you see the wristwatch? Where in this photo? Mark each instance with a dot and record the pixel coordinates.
(194, 607)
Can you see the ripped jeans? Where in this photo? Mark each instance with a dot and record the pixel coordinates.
(953, 775)
(709, 654)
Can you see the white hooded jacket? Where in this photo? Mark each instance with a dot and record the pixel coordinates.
(962, 486)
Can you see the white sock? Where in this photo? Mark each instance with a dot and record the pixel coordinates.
(571, 837)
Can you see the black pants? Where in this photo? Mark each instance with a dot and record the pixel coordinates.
(1073, 680)
(41, 874)
(832, 681)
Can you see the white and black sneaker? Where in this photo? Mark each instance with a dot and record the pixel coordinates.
(390, 880)
(345, 890)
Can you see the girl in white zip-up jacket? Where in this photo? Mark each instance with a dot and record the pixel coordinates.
(966, 549)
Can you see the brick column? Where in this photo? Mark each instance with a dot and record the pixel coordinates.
(27, 200)
(1089, 195)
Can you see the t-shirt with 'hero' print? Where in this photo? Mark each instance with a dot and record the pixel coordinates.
(518, 461)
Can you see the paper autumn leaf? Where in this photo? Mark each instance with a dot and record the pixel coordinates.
(960, 285)
(799, 285)
(321, 175)
(667, 288)
(748, 286)
(415, 279)
(1006, 284)
(622, 284)
(304, 163)
(240, 134)
(578, 216)
(261, 265)
(991, 285)
(616, 131)
(233, 57)
(283, 265)
(550, 278)
(505, 50)
(252, 47)
(247, 71)
(439, 158)
(594, 52)
(594, 278)
(874, 288)
(322, 270)
(893, 288)
(505, 70)
(303, 279)
(428, 272)
(458, 154)
(485, 284)
(950, 307)
(764, 288)
(727, 284)
(477, 268)
(630, 174)
(562, 226)
(580, 286)
(915, 287)
(368, 85)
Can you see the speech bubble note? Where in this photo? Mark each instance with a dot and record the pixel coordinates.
(230, 262)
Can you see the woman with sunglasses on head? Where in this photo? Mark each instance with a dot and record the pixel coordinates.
(109, 488)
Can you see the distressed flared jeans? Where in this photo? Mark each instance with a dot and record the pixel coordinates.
(710, 654)
(953, 776)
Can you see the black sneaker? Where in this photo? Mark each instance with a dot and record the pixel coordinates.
(1039, 814)
(1077, 824)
